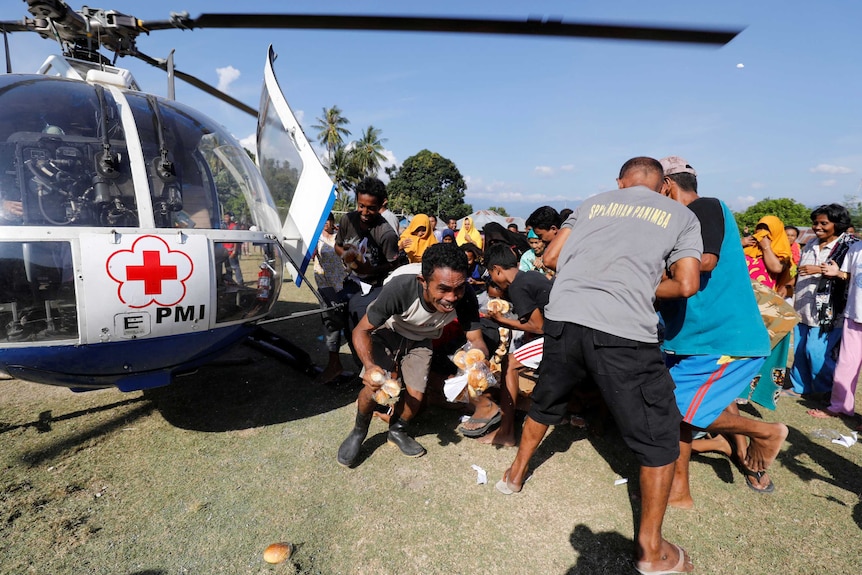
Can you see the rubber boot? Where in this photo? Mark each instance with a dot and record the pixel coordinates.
(398, 437)
(350, 447)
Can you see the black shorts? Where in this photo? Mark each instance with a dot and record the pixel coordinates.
(633, 380)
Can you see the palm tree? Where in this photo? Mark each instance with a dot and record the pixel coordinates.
(331, 130)
(368, 151)
(345, 174)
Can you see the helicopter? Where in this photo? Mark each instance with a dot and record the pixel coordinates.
(117, 206)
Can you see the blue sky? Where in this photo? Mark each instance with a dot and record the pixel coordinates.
(550, 121)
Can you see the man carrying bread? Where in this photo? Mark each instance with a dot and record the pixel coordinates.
(394, 337)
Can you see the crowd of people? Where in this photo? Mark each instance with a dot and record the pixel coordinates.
(672, 334)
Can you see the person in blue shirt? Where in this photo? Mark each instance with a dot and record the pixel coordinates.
(715, 344)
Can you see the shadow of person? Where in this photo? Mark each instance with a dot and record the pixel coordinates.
(721, 465)
(840, 472)
(600, 553)
(371, 444)
(857, 512)
(558, 440)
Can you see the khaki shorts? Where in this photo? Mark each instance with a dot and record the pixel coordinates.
(412, 358)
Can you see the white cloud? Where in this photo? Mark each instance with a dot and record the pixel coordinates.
(741, 203)
(757, 185)
(250, 143)
(390, 160)
(226, 76)
(544, 170)
(567, 168)
(828, 183)
(498, 191)
(830, 169)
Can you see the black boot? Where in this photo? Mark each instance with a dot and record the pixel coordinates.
(408, 446)
(350, 447)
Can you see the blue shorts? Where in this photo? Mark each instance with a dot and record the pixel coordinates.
(704, 388)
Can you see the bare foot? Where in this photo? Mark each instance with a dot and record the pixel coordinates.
(822, 413)
(680, 500)
(718, 444)
(762, 452)
(328, 374)
(673, 559)
(497, 437)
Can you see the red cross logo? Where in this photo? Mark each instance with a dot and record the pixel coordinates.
(150, 273)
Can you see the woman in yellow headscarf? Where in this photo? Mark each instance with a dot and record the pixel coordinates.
(468, 233)
(768, 254)
(417, 237)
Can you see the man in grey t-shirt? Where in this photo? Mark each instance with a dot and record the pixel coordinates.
(614, 255)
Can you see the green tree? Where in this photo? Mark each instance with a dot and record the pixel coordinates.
(854, 206)
(791, 212)
(368, 152)
(331, 129)
(500, 210)
(428, 183)
(345, 173)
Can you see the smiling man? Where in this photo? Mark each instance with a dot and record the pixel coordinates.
(395, 335)
(364, 230)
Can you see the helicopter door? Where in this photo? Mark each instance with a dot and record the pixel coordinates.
(302, 189)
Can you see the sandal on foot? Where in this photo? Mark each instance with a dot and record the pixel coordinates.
(488, 424)
(758, 475)
(643, 567)
(504, 487)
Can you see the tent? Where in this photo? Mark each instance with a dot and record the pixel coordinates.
(482, 217)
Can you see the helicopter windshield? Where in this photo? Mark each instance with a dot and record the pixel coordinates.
(63, 157)
(211, 173)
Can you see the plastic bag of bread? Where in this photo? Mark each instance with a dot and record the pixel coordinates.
(467, 356)
(480, 378)
(354, 255)
(390, 389)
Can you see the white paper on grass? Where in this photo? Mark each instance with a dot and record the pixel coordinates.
(453, 387)
(846, 440)
(481, 475)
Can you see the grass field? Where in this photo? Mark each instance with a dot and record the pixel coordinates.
(199, 477)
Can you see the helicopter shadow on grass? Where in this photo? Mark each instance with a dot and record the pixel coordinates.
(247, 388)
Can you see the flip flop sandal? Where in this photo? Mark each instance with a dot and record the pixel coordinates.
(678, 568)
(489, 423)
(758, 475)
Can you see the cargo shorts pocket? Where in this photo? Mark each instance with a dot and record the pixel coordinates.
(661, 411)
(615, 355)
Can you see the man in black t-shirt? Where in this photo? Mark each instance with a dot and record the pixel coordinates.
(364, 230)
(528, 292)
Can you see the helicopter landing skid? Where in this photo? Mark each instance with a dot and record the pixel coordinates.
(280, 348)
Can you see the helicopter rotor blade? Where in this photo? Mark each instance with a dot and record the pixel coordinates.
(528, 27)
(198, 83)
(15, 27)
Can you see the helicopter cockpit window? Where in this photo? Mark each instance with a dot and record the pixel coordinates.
(211, 174)
(281, 165)
(63, 157)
